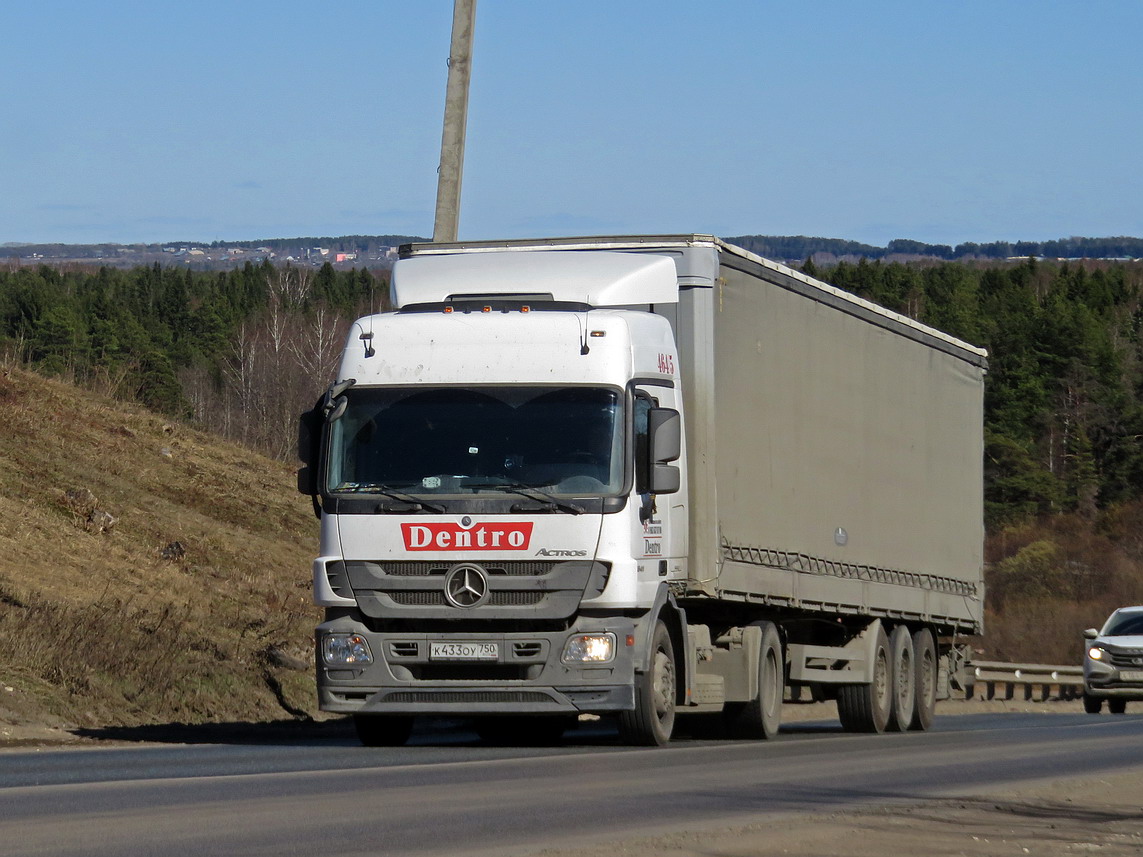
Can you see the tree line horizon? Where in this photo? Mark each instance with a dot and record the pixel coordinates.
(243, 352)
(781, 247)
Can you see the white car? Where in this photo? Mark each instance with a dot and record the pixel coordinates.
(1113, 662)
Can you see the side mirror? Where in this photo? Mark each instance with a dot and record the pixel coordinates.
(665, 427)
(665, 479)
(331, 406)
(309, 448)
(1090, 634)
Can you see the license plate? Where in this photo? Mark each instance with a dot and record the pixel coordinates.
(464, 651)
(1131, 675)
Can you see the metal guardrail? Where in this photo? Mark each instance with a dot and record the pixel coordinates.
(1066, 680)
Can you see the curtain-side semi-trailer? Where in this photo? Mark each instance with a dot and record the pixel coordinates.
(647, 477)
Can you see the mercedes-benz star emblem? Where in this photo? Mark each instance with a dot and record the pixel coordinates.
(466, 586)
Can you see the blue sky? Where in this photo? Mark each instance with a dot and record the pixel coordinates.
(942, 122)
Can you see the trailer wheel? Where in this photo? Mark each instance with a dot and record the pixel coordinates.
(383, 730)
(653, 719)
(865, 707)
(760, 717)
(904, 676)
(925, 686)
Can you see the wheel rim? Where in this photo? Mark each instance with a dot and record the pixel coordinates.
(928, 678)
(664, 686)
(881, 684)
(771, 692)
(905, 682)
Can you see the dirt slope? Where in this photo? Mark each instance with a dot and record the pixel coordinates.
(148, 572)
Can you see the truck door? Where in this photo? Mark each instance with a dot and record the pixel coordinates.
(662, 521)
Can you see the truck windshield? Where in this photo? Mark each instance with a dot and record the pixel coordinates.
(453, 440)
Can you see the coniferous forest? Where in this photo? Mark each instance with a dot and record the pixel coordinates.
(243, 352)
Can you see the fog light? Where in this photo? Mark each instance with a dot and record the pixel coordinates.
(339, 650)
(589, 649)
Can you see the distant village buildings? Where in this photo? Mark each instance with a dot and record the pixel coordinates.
(202, 256)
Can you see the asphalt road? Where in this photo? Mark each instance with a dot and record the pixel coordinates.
(318, 793)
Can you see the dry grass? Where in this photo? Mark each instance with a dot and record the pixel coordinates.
(1048, 580)
(147, 570)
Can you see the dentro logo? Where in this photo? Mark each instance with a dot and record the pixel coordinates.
(508, 535)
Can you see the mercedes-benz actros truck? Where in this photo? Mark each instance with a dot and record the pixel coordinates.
(643, 477)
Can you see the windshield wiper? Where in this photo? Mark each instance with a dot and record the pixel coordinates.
(414, 503)
(548, 502)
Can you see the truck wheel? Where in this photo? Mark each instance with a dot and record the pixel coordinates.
(865, 707)
(925, 683)
(383, 730)
(760, 717)
(904, 679)
(1092, 704)
(651, 722)
(1117, 706)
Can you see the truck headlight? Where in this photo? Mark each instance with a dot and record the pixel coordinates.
(340, 650)
(1095, 653)
(589, 649)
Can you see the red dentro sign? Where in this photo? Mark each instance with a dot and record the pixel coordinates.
(513, 536)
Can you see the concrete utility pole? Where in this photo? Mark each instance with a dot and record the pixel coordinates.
(455, 120)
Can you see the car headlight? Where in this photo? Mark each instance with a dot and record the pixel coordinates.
(589, 649)
(1096, 653)
(342, 650)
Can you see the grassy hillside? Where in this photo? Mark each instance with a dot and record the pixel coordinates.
(149, 572)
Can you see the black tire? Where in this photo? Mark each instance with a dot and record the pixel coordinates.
(653, 719)
(904, 679)
(1117, 706)
(865, 707)
(925, 683)
(1092, 704)
(383, 730)
(761, 717)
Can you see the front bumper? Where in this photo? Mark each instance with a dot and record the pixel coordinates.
(527, 676)
(1105, 680)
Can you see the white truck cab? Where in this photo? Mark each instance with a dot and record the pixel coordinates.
(493, 512)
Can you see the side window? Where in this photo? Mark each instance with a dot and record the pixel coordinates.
(643, 404)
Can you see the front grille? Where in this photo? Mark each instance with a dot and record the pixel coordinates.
(519, 568)
(418, 599)
(516, 588)
(449, 697)
(1127, 660)
(437, 599)
(515, 599)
